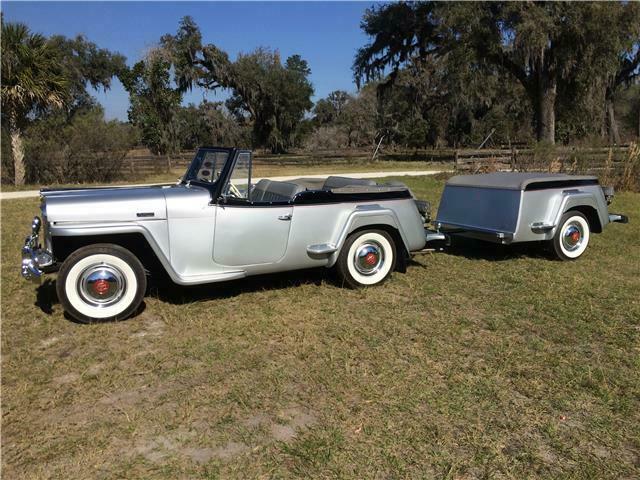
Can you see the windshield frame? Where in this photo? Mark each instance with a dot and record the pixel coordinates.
(191, 174)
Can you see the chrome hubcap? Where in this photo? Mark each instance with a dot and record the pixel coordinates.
(572, 237)
(101, 285)
(369, 258)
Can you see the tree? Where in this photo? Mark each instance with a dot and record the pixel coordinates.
(330, 109)
(84, 148)
(32, 79)
(272, 96)
(154, 104)
(84, 63)
(209, 124)
(543, 45)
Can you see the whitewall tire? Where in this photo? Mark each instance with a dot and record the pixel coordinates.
(572, 236)
(367, 258)
(101, 283)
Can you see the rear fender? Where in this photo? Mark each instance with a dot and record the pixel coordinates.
(367, 216)
(584, 202)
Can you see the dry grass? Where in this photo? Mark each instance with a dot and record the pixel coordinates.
(477, 363)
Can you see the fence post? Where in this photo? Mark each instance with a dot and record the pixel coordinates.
(455, 159)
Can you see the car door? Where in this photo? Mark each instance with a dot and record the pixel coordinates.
(247, 232)
(251, 235)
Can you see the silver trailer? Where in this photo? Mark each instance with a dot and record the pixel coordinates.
(218, 223)
(527, 207)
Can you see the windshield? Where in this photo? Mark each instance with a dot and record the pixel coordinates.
(207, 165)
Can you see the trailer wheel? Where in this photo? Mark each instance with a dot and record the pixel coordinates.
(572, 236)
(367, 258)
(101, 283)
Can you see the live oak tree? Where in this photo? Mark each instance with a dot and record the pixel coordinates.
(154, 103)
(32, 79)
(330, 109)
(85, 65)
(271, 96)
(545, 46)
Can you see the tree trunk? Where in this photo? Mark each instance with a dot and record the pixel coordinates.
(610, 117)
(545, 109)
(17, 150)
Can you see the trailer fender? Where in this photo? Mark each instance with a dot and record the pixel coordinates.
(582, 201)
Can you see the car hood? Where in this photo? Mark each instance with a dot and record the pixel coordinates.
(105, 204)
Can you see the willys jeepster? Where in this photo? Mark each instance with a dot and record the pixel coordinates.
(218, 223)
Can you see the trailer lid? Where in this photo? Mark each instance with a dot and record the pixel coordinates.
(521, 180)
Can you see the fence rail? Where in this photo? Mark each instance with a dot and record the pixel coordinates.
(609, 162)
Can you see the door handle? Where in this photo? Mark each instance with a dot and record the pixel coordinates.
(285, 217)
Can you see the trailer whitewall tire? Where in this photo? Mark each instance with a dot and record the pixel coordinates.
(572, 236)
(101, 283)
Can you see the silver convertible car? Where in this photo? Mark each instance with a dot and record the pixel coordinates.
(218, 223)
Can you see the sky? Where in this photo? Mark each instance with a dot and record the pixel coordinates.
(326, 34)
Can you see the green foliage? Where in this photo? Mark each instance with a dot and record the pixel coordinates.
(84, 63)
(558, 53)
(84, 149)
(330, 109)
(270, 96)
(154, 103)
(210, 124)
(32, 80)
(32, 77)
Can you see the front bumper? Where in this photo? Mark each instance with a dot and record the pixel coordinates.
(34, 258)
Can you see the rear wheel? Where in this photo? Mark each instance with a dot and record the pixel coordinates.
(101, 283)
(367, 258)
(572, 236)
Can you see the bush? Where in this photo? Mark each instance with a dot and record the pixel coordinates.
(327, 138)
(86, 149)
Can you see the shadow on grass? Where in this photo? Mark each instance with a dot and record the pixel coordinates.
(161, 287)
(167, 291)
(46, 296)
(478, 250)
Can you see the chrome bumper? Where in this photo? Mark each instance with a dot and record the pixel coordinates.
(34, 258)
(616, 217)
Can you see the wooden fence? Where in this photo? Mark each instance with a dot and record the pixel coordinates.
(610, 162)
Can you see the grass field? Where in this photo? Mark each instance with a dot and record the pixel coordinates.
(483, 362)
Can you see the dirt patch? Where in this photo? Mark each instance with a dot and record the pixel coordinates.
(299, 418)
(66, 379)
(286, 425)
(164, 446)
(47, 342)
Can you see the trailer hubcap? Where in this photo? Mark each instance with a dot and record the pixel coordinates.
(572, 236)
(369, 258)
(101, 285)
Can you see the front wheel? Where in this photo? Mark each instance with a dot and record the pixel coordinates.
(367, 258)
(101, 283)
(572, 236)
